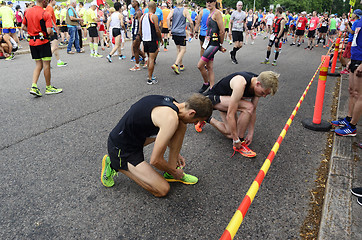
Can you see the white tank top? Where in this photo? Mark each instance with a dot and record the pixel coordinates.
(115, 22)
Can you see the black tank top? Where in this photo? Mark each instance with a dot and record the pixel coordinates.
(222, 88)
(276, 26)
(213, 30)
(136, 125)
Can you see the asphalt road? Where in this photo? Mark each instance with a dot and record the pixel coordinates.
(51, 150)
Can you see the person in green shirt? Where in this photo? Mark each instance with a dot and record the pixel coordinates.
(226, 24)
(332, 28)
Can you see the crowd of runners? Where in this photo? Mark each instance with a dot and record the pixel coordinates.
(161, 119)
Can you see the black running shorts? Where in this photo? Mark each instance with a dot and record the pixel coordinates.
(237, 36)
(202, 38)
(165, 30)
(93, 32)
(299, 32)
(323, 29)
(41, 51)
(120, 158)
(116, 32)
(150, 46)
(179, 40)
(354, 65)
(215, 99)
(311, 33)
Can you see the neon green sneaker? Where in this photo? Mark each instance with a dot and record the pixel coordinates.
(52, 90)
(35, 91)
(187, 178)
(107, 173)
(265, 62)
(98, 55)
(92, 54)
(62, 64)
(274, 63)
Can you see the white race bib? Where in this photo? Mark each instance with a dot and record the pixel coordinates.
(354, 42)
(272, 37)
(299, 24)
(311, 25)
(324, 24)
(206, 42)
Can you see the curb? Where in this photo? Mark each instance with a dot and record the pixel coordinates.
(336, 220)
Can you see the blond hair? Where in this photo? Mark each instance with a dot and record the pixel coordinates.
(201, 104)
(112, 10)
(269, 80)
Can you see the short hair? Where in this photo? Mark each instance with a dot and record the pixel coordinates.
(152, 5)
(112, 10)
(73, 1)
(81, 3)
(269, 80)
(280, 9)
(117, 6)
(239, 3)
(201, 104)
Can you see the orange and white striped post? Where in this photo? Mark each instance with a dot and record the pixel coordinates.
(240, 213)
(335, 57)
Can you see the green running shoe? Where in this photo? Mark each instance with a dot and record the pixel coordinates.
(107, 173)
(274, 63)
(62, 64)
(35, 91)
(187, 178)
(52, 90)
(265, 62)
(97, 55)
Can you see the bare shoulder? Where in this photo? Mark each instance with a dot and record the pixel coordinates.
(164, 116)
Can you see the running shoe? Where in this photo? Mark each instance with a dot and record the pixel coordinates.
(199, 126)
(92, 54)
(165, 49)
(357, 192)
(52, 90)
(145, 64)
(96, 55)
(142, 63)
(62, 64)
(35, 91)
(340, 122)
(153, 81)
(345, 71)
(298, 45)
(122, 57)
(245, 150)
(316, 45)
(186, 179)
(182, 67)
(204, 88)
(190, 39)
(11, 57)
(175, 69)
(265, 62)
(359, 201)
(292, 44)
(133, 59)
(307, 47)
(311, 48)
(109, 58)
(346, 131)
(324, 46)
(234, 61)
(135, 68)
(274, 63)
(107, 173)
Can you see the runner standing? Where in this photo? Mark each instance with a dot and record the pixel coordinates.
(237, 26)
(314, 21)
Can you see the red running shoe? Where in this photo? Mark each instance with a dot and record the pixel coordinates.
(245, 151)
(199, 125)
(345, 71)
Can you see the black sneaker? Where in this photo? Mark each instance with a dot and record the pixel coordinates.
(311, 48)
(298, 45)
(234, 61)
(307, 47)
(292, 44)
(359, 201)
(204, 88)
(357, 192)
(232, 56)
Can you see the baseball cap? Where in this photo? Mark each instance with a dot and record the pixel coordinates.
(94, 3)
(358, 12)
(10, 2)
(164, 5)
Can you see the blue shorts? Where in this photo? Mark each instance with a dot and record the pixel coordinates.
(9, 30)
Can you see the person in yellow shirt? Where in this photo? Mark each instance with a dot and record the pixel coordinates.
(8, 19)
(81, 13)
(63, 29)
(57, 14)
(91, 18)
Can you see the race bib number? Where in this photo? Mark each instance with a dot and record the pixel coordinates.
(299, 25)
(206, 42)
(324, 24)
(354, 42)
(311, 25)
(239, 24)
(272, 37)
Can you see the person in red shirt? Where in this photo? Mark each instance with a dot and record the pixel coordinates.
(301, 24)
(54, 38)
(314, 21)
(37, 22)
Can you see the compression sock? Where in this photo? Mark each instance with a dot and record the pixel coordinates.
(268, 54)
(276, 55)
(96, 49)
(91, 48)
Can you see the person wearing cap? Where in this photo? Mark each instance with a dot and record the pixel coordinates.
(92, 20)
(178, 15)
(38, 23)
(301, 25)
(356, 16)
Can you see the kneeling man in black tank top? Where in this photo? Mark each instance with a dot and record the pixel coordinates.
(158, 119)
(239, 92)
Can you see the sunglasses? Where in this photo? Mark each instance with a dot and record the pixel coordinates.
(210, 1)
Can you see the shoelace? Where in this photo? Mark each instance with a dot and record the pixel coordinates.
(238, 150)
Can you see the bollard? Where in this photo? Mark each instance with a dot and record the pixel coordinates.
(335, 57)
(317, 124)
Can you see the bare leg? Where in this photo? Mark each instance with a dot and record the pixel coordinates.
(37, 70)
(203, 71)
(47, 74)
(180, 55)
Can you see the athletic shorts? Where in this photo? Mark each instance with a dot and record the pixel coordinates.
(293, 27)
(120, 158)
(215, 99)
(249, 27)
(299, 32)
(150, 46)
(237, 36)
(226, 30)
(18, 24)
(323, 29)
(41, 51)
(202, 38)
(209, 53)
(53, 37)
(58, 22)
(9, 30)
(14, 49)
(354, 65)
(311, 33)
(93, 32)
(286, 28)
(102, 28)
(347, 51)
(116, 32)
(179, 40)
(165, 30)
(63, 28)
(276, 43)
(257, 24)
(332, 31)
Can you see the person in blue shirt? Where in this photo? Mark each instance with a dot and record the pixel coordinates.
(159, 14)
(72, 21)
(287, 24)
(193, 15)
(348, 124)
